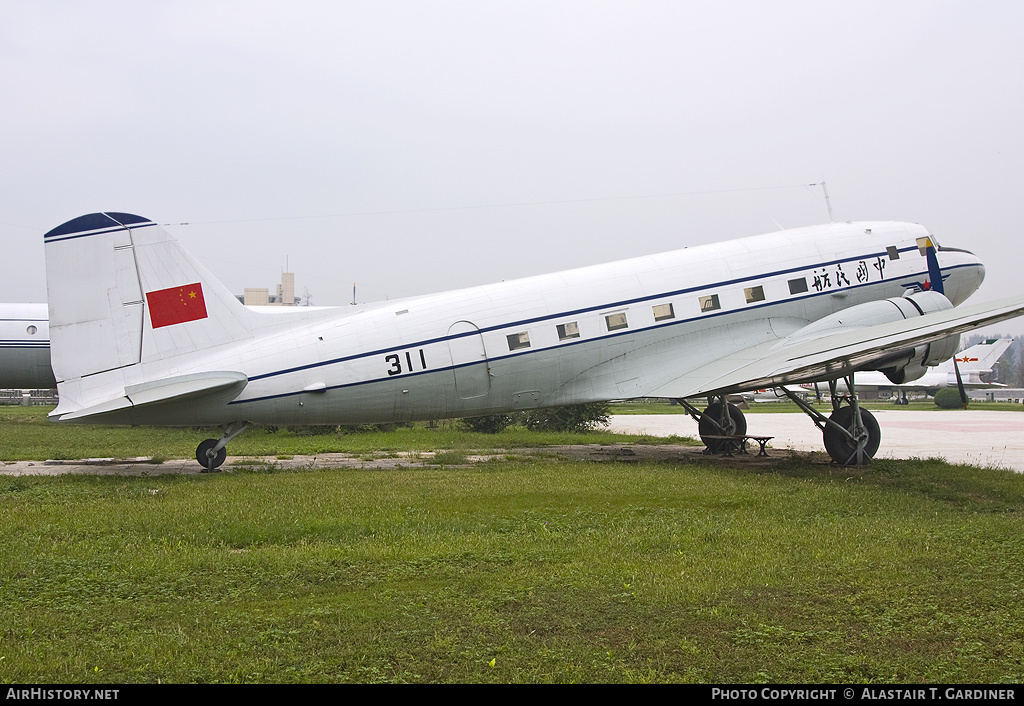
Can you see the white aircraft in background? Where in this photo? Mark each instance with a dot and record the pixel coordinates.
(25, 347)
(143, 334)
(972, 362)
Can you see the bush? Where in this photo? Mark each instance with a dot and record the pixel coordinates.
(313, 429)
(341, 429)
(487, 424)
(575, 418)
(948, 398)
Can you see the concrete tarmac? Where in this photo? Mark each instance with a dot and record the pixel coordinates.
(980, 438)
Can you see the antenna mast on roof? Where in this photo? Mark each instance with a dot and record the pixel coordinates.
(824, 187)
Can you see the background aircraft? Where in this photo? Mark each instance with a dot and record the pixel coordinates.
(973, 362)
(25, 347)
(143, 334)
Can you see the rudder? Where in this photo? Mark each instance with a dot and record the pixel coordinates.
(122, 291)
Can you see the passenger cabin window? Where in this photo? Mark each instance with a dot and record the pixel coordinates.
(663, 312)
(709, 303)
(754, 294)
(798, 286)
(614, 322)
(518, 341)
(894, 252)
(568, 330)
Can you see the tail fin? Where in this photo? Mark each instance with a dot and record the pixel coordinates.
(122, 291)
(983, 356)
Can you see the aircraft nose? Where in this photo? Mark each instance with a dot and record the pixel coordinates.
(966, 273)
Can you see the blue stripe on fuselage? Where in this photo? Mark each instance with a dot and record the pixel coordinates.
(517, 324)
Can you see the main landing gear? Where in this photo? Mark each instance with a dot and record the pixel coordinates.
(851, 434)
(212, 452)
(719, 419)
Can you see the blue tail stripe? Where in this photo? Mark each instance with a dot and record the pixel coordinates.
(95, 221)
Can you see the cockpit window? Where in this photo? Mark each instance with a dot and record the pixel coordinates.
(923, 244)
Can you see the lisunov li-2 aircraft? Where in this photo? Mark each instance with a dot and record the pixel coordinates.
(141, 333)
(25, 347)
(970, 364)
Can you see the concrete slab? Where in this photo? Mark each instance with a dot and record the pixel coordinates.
(980, 437)
(145, 467)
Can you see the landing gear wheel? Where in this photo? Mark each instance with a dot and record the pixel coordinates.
(841, 447)
(208, 462)
(734, 424)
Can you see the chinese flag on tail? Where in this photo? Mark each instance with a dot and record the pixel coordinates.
(176, 305)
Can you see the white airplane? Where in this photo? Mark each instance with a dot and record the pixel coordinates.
(143, 334)
(972, 362)
(25, 347)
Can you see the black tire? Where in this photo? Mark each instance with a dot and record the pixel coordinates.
(706, 427)
(842, 448)
(202, 455)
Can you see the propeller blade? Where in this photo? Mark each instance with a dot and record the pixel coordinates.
(934, 271)
(959, 382)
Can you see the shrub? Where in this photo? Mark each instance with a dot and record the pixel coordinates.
(948, 398)
(487, 424)
(313, 429)
(575, 418)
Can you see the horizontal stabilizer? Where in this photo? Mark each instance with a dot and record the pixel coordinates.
(166, 390)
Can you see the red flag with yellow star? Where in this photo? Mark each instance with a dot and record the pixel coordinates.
(176, 305)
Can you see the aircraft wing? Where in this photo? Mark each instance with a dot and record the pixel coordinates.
(789, 361)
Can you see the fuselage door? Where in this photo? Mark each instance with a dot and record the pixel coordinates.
(469, 360)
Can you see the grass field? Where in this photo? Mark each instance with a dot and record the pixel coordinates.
(543, 570)
(26, 435)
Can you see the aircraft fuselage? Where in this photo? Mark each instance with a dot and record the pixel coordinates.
(25, 347)
(649, 326)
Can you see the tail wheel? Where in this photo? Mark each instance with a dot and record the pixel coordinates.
(206, 460)
(719, 421)
(842, 448)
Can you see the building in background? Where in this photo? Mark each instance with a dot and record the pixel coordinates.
(285, 295)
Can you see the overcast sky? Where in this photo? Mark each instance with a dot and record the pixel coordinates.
(412, 147)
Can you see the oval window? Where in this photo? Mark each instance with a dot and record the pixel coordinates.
(31, 330)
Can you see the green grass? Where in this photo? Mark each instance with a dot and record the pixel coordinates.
(26, 435)
(540, 570)
(557, 571)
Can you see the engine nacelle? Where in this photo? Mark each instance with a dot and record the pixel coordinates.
(899, 366)
(916, 364)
